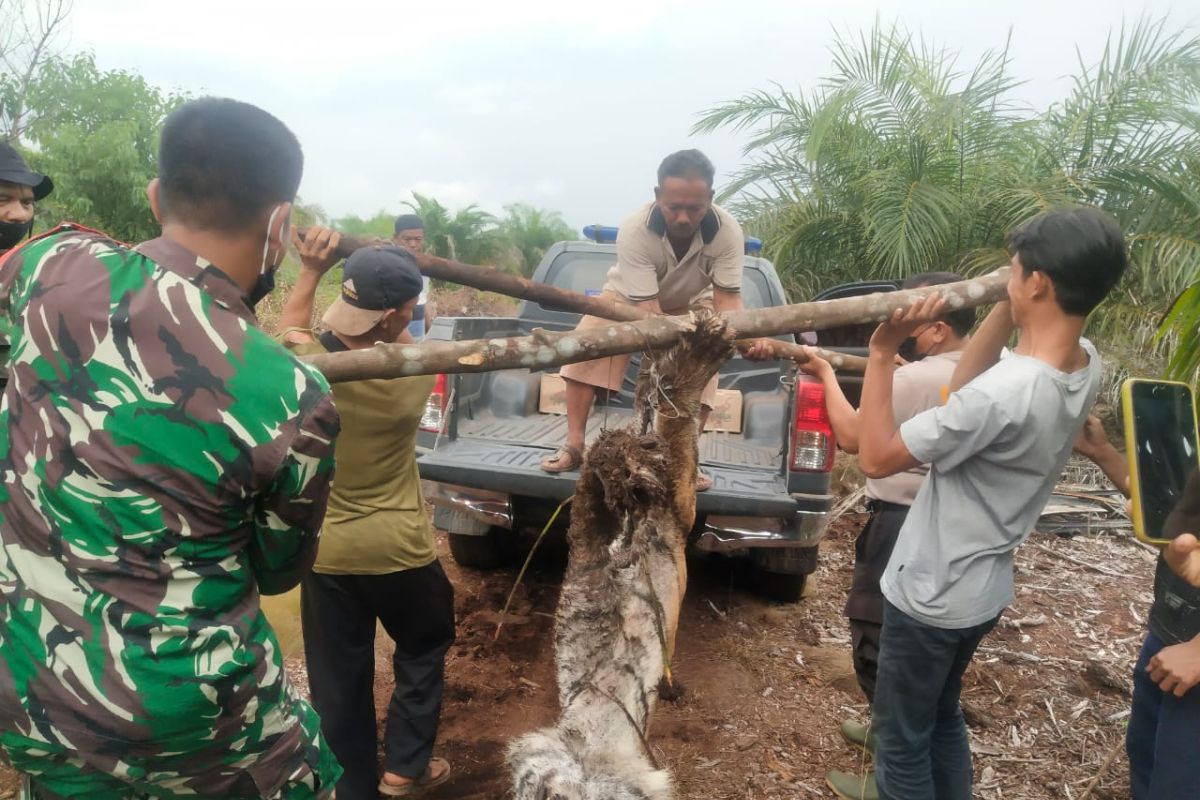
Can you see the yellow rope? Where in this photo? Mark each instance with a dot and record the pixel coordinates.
(521, 575)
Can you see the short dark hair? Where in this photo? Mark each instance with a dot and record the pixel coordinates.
(221, 163)
(686, 164)
(408, 222)
(960, 321)
(1080, 249)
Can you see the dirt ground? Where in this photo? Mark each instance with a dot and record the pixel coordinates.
(767, 685)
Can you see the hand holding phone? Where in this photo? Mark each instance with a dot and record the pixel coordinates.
(1164, 470)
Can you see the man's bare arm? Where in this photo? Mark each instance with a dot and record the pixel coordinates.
(882, 451)
(760, 349)
(1093, 443)
(316, 258)
(983, 351)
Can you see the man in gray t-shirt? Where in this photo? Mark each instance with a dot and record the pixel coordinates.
(995, 451)
(997, 448)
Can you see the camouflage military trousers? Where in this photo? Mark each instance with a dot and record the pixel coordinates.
(310, 774)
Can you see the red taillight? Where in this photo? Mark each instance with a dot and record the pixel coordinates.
(434, 418)
(812, 436)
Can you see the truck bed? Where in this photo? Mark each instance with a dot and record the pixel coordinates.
(514, 469)
(548, 431)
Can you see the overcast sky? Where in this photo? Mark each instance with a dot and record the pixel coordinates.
(565, 105)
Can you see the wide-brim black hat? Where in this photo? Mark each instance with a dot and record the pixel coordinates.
(14, 170)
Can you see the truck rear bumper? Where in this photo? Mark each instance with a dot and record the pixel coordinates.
(486, 507)
(720, 534)
(744, 510)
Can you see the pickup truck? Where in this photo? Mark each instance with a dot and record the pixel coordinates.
(482, 437)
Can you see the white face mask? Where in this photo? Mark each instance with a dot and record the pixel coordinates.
(266, 275)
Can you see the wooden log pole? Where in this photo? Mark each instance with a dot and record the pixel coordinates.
(545, 349)
(494, 280)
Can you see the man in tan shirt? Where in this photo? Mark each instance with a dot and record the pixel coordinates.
(677, 253)
(923, 383)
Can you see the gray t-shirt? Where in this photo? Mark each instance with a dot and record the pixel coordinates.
(995, 450)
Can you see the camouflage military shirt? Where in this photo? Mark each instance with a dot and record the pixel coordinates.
(162, 461)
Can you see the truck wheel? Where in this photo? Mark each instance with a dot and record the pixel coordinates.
(779, 586)
(781, 574)
(476, 551)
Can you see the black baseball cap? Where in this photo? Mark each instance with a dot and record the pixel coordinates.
(374, 279)
(14, 170)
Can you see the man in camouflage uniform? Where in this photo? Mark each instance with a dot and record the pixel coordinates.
(162, 463)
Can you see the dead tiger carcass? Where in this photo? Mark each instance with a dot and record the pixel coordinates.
(634, 505)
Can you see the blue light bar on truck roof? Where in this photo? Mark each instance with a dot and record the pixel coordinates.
(604, 234)
(607, 234)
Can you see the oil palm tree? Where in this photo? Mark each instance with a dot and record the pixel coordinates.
(530, 232)
(901, 161)
(469, 234)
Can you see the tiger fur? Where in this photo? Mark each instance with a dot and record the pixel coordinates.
(617, 616)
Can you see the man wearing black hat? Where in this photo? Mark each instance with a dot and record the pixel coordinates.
(377, 559)
(410, 232)
(20, 188)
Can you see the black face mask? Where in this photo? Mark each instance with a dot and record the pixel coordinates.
(13, 233)
(908, 350)
(265, 284)
(262, 287)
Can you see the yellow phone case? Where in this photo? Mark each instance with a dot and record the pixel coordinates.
(1138, 517)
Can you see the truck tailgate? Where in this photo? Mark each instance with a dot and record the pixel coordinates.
(513, 468)
(550, 430)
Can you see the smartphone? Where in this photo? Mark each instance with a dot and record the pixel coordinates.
(1160, 439)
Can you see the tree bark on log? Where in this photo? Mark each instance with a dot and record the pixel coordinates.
(548, 349)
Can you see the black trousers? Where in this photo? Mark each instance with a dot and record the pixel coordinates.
(338, 613)
(864, 605)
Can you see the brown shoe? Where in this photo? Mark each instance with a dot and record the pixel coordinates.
(437, 773)
(565, 459)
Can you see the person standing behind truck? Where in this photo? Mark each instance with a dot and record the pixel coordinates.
(674, 254)
(378, 560)
(932, 353)
(410, 233)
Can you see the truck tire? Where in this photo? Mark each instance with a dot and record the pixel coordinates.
(476, 551)
(781, 575)
(473, 543)
(780, 586)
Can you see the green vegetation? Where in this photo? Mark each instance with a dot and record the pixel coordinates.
(902, 161)
(514, 243)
